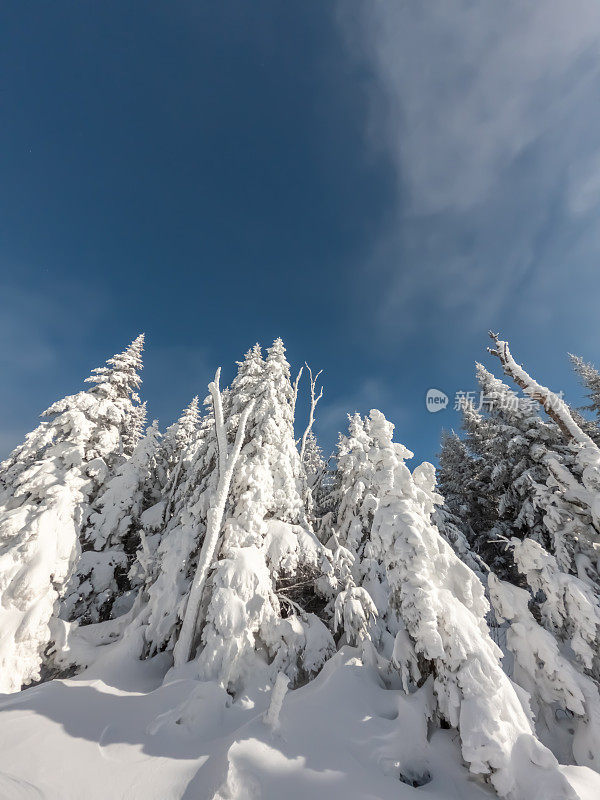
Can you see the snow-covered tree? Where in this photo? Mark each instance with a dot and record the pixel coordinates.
(314, 399)
(181, 435)
(169, 574)
(581, 483)
(267, 553)
(356, 501)
(509, 489)
(136, 428)
(442, 605)
(481, 499)
(214, 519)
(550, 678)
(314, 463)
(316, 474)
(48, 483)
(177, 447)
(459, 484)
(114, 534)
(456, 475)
(117, 382)
(239, 569)
(168, 583)
(569, 607)
(451, 530)
(519, 436)
(590, 378)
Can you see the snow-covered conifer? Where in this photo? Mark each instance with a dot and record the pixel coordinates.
(177, 447)
(136, 427)
(317, 475)
(314, 463)
(241, 613)
(267, 548)
(214, 520)
(481, 495)
(118, 381)
(590, 378)
(114, 534)
(520, 435)
(49, 482)
(568, 606)
(168, 583)
(509, 486)
(550, 678)
(456, 475)
(457, 478)
(582, 482)
(356, 500)
(169, 576)
(442, 606)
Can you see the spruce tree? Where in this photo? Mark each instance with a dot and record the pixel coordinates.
(255, 616)
(441, 606)
(113, 536)
(168, 583)
(590, 378)
(459, 485)
(179, 539)
(554, 621)
(314, 463)
(509, 441)
(543, 667)
(49, 483)
(267, 549)
(356, 502)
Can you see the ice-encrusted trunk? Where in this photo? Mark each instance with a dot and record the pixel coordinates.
(214, 520)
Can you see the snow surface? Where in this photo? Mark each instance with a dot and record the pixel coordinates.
(117, 731)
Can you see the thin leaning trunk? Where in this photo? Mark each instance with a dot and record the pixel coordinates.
(314, 399)
(214, 521)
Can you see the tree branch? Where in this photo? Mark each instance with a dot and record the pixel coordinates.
(313, 404)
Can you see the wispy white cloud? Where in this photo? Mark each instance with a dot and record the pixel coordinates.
(488, 115)
(467, 87)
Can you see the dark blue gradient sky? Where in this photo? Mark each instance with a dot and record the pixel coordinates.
(377, 183)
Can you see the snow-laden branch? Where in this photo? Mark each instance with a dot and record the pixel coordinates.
(586, 451)
(314, 399)
(214, 520)
(555, 407)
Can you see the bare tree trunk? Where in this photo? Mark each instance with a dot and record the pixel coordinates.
(214, 520)
(313, 404)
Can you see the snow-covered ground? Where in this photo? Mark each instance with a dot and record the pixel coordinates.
(117, 731)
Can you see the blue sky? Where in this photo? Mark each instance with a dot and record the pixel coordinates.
(378, 183)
